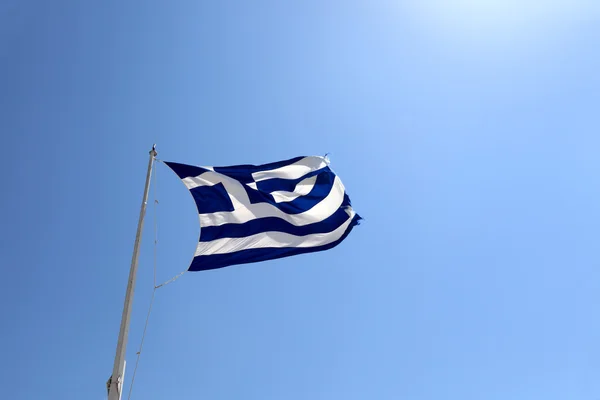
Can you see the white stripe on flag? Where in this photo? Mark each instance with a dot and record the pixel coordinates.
(302, 189)
(272, 240)
(292, 171)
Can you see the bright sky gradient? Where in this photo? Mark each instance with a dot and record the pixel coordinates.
(466, 133)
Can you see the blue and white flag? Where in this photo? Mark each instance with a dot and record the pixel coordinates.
(251, 213)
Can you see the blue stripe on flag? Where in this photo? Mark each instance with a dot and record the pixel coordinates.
(288, 185)
(243, 173)
(184, 171)
(240, 169)
(272, 224)
(208, 262)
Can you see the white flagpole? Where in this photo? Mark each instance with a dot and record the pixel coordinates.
(115, 383)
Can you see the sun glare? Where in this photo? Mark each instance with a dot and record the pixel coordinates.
(488, 15)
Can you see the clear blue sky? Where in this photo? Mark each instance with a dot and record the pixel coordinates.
(466, 133)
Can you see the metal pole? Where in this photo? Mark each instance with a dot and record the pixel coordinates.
(115, 383)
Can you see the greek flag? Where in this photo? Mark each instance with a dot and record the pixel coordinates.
(251, 213)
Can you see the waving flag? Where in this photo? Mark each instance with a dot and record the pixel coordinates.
(251, 213)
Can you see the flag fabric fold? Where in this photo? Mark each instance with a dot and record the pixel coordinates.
(252, 213)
